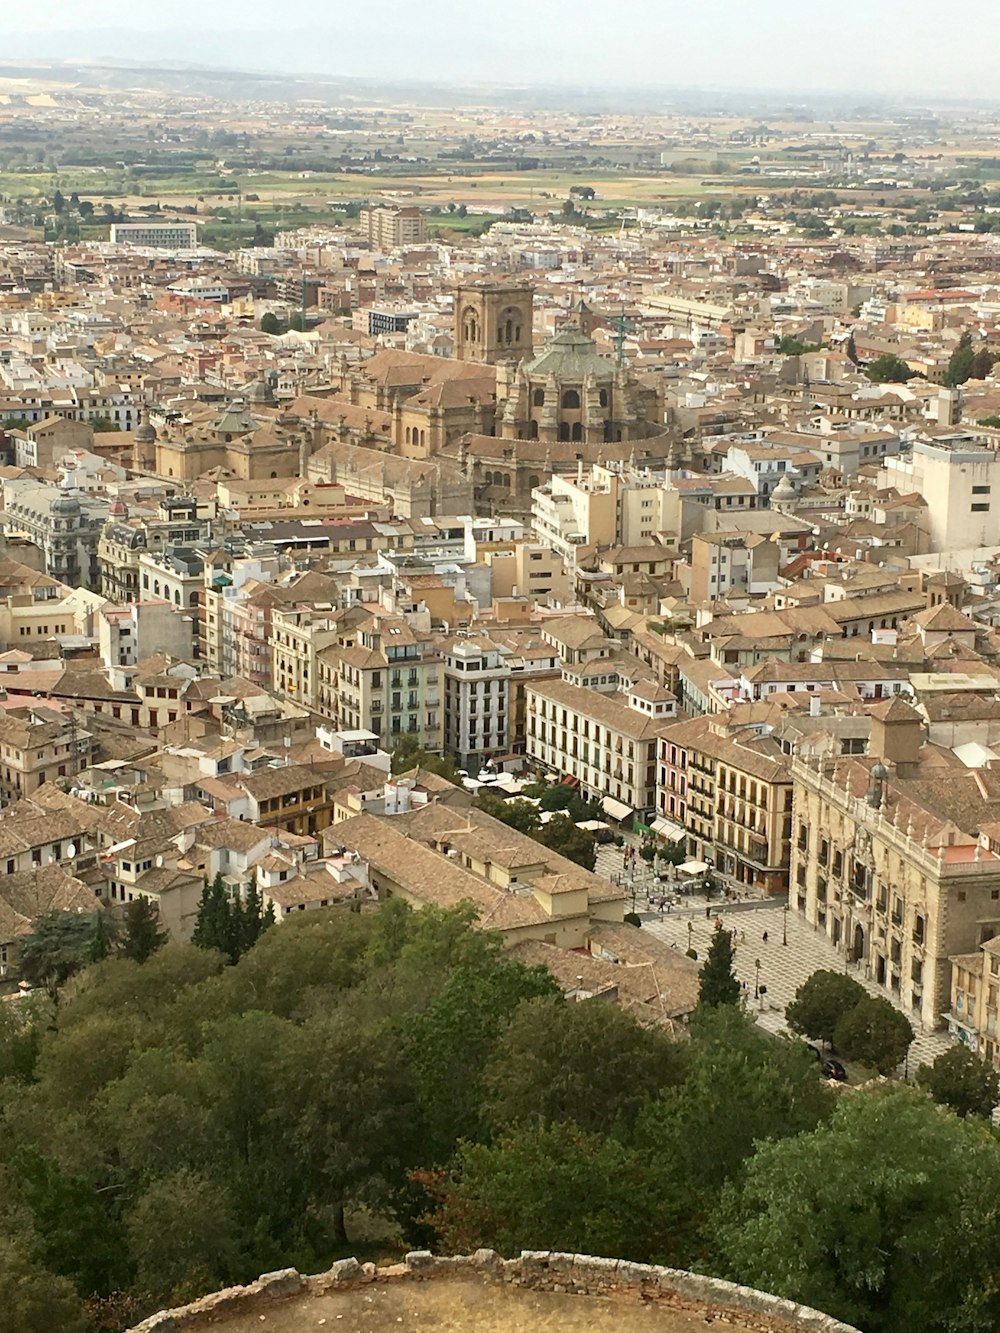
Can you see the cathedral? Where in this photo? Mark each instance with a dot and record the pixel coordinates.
(566, 392)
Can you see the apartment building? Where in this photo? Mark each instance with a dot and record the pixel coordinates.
(975, 986)
(389, 228)
(724, 563)
(128, 634)
(298, 636)
(477, 707)
(156, 235)
(38, 745)
(386, 681)
(64, 524)
(606, 742)
(730, 789)
(958, 476)
(603, 507)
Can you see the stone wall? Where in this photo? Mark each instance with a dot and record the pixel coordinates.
(541, 1270)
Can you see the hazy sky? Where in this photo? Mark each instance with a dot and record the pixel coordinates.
(917, 47)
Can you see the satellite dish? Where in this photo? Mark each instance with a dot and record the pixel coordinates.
(159, 862)
(71, 850)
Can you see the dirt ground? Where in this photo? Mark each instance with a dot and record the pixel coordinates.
(460, 1305)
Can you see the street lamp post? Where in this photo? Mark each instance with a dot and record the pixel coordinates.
(756, 980)
(690, 930)
(784, 925)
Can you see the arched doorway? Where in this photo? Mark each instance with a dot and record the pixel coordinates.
(858, 951)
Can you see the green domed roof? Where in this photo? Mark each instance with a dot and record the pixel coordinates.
(570, 356)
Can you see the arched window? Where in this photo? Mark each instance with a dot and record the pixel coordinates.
(538, 398)
(508, 329)
(618, 434)
(577, 431)
(564, 430)
(274, 474)
(506, 480)
(421, 437)
(177, 596)
(607, 431)
(533, 480)
(571, 400)
(532, 430)
(604, 397)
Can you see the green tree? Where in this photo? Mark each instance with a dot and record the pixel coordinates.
(58, 202)
(849, 1218)
(875, 1033)
(269, 323)
(60, 944)
(982, 364)
(555, 1187)
(34, 1300)
(851, 350)
(102, 937)
(561, 835)
(182, 1236)
(143, 932)
(960, 362)
(717, 982)
(103, 425)
(960, 1079)
(745, 1084)
(590, 1063)
(821, 1002)
(213, 924)
(408, 754)
(516, 813)
(889, 369)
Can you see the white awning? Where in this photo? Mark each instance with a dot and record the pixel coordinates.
(672, 832)
(616, 809)
(693, 867)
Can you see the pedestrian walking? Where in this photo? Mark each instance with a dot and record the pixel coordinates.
(743, 937)
(765, 936)
(708, 912)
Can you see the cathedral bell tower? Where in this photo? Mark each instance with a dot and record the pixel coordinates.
(493, 321)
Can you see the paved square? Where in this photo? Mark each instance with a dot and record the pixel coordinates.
(783, 968)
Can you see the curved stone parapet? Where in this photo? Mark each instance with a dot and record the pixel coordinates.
(581, 1275)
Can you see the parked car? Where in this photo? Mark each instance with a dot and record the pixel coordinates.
(835, 1070)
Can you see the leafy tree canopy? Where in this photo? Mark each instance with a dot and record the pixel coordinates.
(820, 1003)
(875, 1033)
(960, 1079)
(849, 1218)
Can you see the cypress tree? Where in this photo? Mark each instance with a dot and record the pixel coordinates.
(717, 983)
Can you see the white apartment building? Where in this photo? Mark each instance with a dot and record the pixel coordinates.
(959, 477)
(161, 235)
(606, 742)
(605, 507)
(477, 708)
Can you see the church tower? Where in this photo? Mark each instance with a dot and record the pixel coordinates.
(493, 321)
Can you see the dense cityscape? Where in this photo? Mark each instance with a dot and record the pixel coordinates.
(499, 703)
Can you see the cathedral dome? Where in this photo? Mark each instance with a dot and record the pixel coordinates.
(570, 355)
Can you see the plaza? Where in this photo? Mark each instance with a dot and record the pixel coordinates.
(783, 966)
